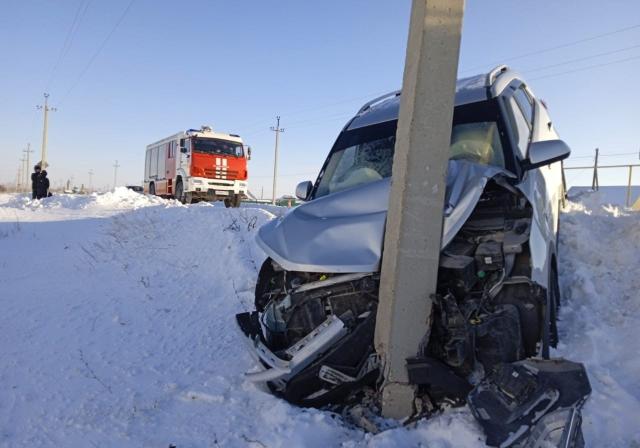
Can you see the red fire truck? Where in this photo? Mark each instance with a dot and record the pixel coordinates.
(198, 165)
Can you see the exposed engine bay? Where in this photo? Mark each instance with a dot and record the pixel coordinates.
(313, 332)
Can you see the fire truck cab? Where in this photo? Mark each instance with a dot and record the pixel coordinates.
(198, 165)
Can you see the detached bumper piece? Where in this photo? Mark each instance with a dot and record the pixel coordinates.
(532, 404)
(324, 366)
(296, 357)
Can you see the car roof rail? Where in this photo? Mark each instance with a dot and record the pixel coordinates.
(378, 100)
(495, 73)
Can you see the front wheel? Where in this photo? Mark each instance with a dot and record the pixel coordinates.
(233, 201)
(179, 194)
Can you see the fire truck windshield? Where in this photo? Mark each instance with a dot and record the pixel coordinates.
(216, 146)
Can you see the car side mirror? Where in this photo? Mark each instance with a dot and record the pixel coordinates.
(248, 152)
(546, 153)
(303, 189)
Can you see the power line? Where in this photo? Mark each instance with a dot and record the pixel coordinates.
(309, 122)
(347, 115)
(71, 33)
(321, 119)
(261, 122)
(571, 61)
(619, 61)
(553, 48)
(99, 50)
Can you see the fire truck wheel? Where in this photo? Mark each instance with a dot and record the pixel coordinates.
(233, 201)
(179, 195)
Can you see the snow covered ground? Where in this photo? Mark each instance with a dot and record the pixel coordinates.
(117, 329)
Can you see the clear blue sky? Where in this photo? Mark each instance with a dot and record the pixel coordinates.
(237, 64)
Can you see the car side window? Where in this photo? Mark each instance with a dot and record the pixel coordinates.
(521, 128)
(525, 103)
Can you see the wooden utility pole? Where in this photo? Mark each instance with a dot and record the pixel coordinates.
(277, 130)
(414, 221)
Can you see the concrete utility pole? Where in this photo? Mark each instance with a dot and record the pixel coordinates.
(90, 181)
(18, 177)
(115, 174)
(27, 151)
(414, 221)
(277, 130)
(46, 109)
(22, 175)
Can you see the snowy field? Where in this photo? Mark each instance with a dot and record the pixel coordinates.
(117, 329)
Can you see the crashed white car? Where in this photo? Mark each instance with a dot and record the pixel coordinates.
(317, 292)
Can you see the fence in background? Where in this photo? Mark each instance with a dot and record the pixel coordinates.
(595, 184)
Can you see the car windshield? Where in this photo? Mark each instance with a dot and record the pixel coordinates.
(365, 155)
(217, 146)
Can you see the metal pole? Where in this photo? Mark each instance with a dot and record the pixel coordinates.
(277, 130)
(594, 182)
(629, 186)
(414, 220)
(90, 181)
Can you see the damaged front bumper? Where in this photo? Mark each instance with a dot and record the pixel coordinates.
(282, 367)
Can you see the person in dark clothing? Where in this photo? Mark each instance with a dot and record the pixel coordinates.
(34, 181)
(42, 185)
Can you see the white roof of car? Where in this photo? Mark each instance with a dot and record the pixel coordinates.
(468, 90)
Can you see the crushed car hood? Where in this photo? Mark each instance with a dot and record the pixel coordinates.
(344, 232)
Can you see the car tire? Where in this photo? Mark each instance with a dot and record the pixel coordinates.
(236, 201)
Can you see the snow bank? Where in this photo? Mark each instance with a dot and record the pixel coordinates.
(117, 329)
(120, 199)
(607, 195)
(600, 317)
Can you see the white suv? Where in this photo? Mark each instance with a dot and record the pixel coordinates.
(498, 294)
